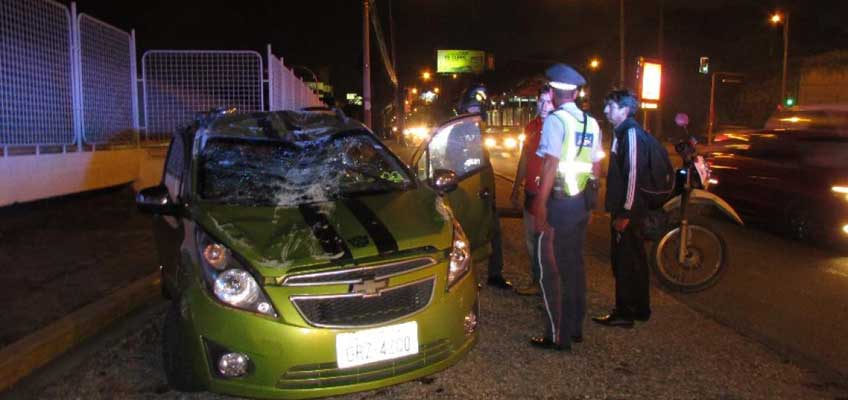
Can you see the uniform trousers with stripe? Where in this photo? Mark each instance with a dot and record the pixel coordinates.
(563, 276)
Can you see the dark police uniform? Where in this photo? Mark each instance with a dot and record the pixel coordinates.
(574, 138)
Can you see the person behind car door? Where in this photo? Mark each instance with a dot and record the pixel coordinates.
(571, 150)
(473, 101)
(527, 175)
(628, 161)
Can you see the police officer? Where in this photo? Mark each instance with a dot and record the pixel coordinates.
(474, 101)
(570, 148)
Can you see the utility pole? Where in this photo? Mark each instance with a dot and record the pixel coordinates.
(366, 64)
(621, 43)
(398, 105)
(785, 57)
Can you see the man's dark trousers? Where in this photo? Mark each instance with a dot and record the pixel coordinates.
(630, 269)
(563, 273)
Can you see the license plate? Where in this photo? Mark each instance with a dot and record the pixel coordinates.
(378, 344)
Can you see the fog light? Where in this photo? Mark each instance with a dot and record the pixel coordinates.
(470, 322)
(233, 365)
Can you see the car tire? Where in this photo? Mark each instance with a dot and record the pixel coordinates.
(176, 357)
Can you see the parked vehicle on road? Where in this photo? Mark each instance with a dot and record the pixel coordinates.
(688, 255)
(303, 259)
(792, 175)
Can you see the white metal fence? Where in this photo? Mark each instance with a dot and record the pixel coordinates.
(109, 100)
(35, 73)
(71, 79)
(285, 90)
(179, 84)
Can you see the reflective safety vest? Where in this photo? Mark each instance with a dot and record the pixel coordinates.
(575, 165)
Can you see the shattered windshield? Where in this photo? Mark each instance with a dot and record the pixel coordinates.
(281, 173)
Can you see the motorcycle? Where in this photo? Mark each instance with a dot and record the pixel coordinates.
(688, 255)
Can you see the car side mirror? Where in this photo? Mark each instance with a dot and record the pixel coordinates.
(444, 180)
(156, 200)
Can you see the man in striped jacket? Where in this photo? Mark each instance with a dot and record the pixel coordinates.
(628, 166)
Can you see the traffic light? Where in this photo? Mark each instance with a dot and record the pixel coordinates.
(789, 102)
(704, 67)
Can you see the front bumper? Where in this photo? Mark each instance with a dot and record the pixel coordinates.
(291, 359)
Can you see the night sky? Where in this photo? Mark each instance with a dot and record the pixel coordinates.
(524, 35)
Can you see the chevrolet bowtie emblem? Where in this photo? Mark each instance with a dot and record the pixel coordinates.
(370, 287)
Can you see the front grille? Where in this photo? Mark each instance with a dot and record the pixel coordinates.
(358, 274)
(314, 376)
(359, 309)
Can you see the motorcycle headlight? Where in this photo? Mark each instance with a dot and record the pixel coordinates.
(460, 255)
(229, 280)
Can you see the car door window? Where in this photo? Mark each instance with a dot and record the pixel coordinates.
(174, 166)
(457, 147)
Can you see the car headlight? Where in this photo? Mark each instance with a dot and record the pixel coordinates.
(460, 255)
(522, 137)
(491, 142)
(228, 280)
(510, 143)
(840, 190)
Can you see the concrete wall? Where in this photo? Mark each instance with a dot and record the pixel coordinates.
(32, 177)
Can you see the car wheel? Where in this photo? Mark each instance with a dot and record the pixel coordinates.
(176, 357)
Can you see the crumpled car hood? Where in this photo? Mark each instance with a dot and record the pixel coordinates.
(275, 240)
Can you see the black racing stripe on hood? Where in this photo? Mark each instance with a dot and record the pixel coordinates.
(330, 240)
(381, 236)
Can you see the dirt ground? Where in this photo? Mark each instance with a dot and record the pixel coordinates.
(62, 253)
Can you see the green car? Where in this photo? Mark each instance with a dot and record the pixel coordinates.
(304, 259)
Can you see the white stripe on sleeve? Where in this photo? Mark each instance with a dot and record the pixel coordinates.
(631, 179)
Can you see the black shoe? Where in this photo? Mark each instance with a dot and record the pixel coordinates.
(499, 282)
(613, 319)
(543, 342)
(577, 339)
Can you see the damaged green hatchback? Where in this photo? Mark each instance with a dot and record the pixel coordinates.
(304, 259)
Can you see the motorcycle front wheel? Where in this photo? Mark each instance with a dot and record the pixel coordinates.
(702, 266)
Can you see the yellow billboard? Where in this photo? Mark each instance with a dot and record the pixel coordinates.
(460, 61)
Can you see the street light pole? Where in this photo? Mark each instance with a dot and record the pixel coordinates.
(785, 57)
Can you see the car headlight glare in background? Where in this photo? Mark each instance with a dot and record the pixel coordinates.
(510, 143)
(491, 142)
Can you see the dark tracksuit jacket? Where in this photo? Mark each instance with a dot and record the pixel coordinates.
(627, 168)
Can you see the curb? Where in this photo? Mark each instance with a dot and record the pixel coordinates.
(21, 358)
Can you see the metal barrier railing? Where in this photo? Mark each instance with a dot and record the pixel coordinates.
(108, 93)
(68, 83)
(180, 83)
(36, 84)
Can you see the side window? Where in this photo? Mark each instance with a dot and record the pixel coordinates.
(174, 163)
(458, 147)
(174, 166)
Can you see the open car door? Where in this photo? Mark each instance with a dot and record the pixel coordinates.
(457, 145)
